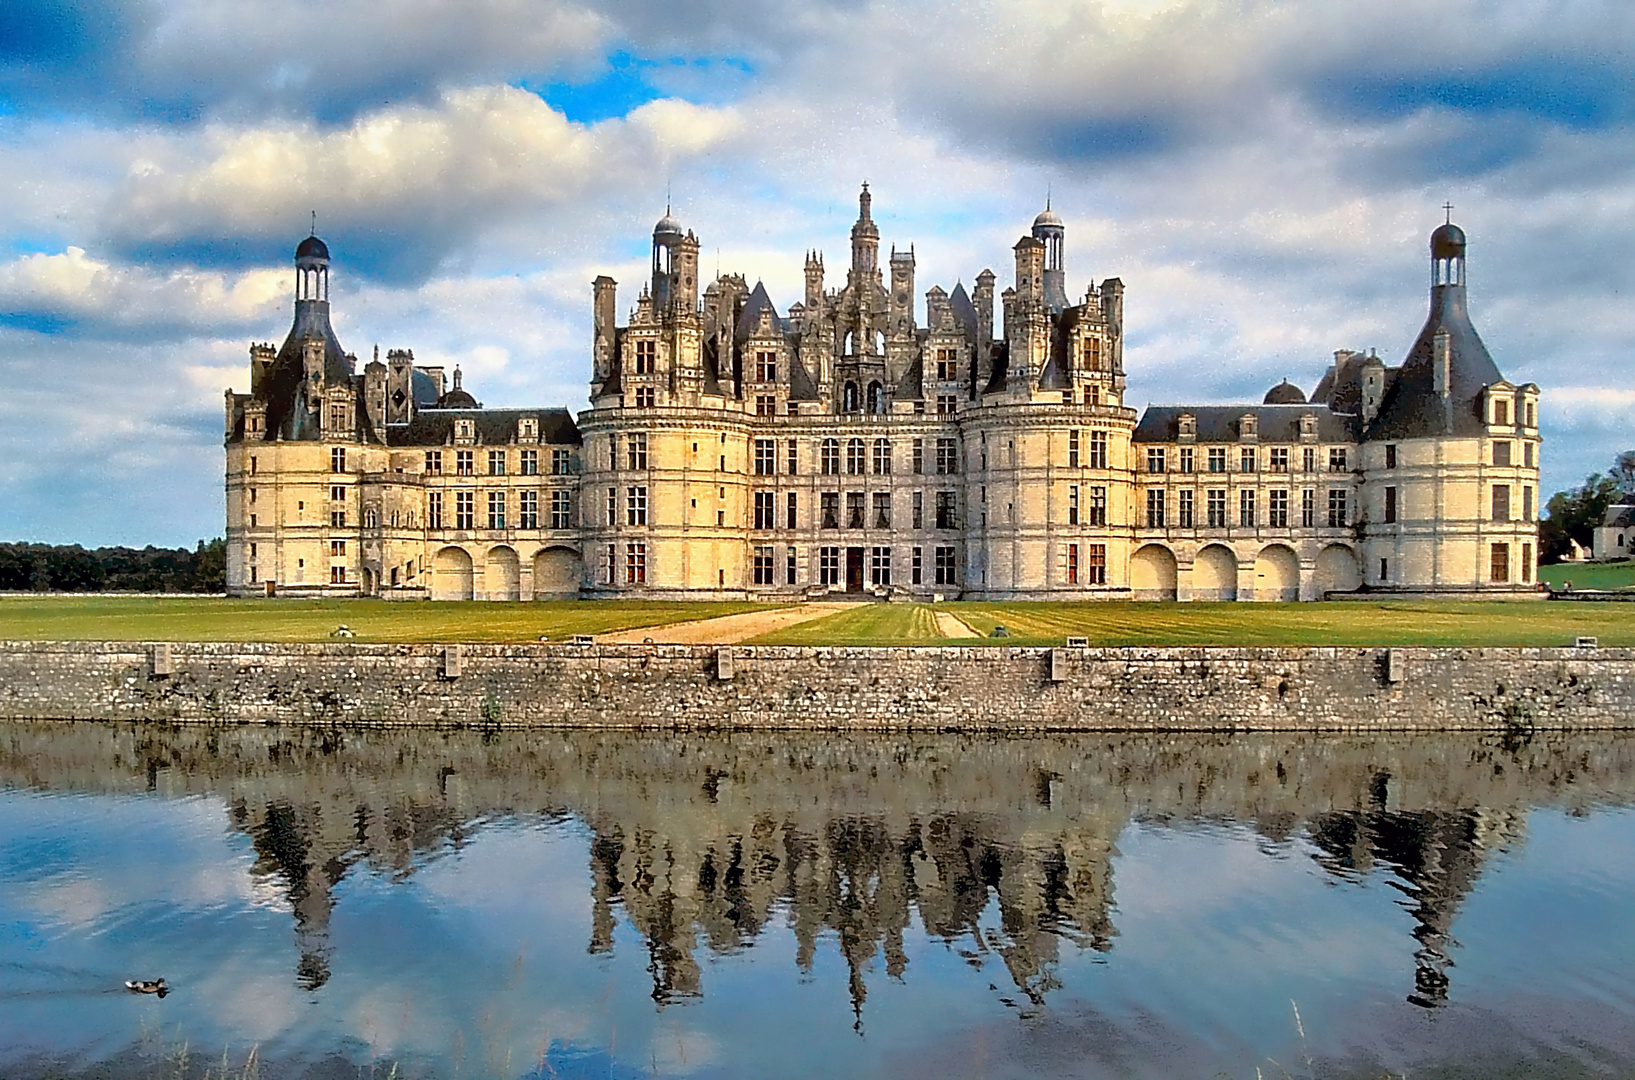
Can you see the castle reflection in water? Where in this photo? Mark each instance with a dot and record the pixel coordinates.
(704, 841)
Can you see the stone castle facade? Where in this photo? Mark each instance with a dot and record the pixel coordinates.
(733, 451)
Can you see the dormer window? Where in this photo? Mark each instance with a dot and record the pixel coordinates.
(465, 430)
(1187, 426)
(1248, 426)
(1308, 425)
(1501, 412)
(528, 428)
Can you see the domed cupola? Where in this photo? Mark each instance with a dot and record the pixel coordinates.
(668, 230)
(1284, 393)
(312, 248)
(1048, 228)
(457, 398)
(311, 359)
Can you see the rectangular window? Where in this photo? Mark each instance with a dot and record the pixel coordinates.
(1188, 460)
(1390, 505)
(1073, 449)
(1277, 508)
(1184, 509)
(434, 510)
(766, 405)
(612, 506)
(789, 566)
(610, 565)
(947, 457)
(646, 357)
(1277, 459)
(1072, 564)
(527, 509)
(829, 510)
(636, 450)
(1308, 509)
(337, 459)
(918, 503)
(1527, 504)
(1073, 505)
(1532, 418)
(947, 511)
(561, 462)
(793, 510)
(1098, 450)
(1338, 518)
(434, 463)
(916, 566)
(1501, 502)
(1217, 459)
(1096, 565)
(916, 460)
(1526, 455)
(1246, 459)
(880, 566)
(496, 463)
(947, 365)
(1499, 562)
(635, 506)
(561, 510)
(1155, 508)
(1336, 459)
(1308, 459)
(465, 509)
(1155, 459)
(337, 493)
(1098, 505)
(337, 548)
(1527, 559)
(880, 462)
(882, 509)
(943, 566)
(766, 367)
(337, 519)
(496, 509)
(1390, 455)
(635, 564)
(1501, 452)
(764, 561)
(947, 404)
(1246, 508)
(337, 575)
(854, 509)
(646, 397)
(465, 463)
(829, 566)
(793, 456)
(1215, 508)
(528, 462)
(765, 511)
(829, 457)
(1385, 569)
(1501, 412)
(855, 465)
(766, 457)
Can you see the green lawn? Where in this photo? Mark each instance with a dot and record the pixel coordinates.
(1618, 575)
(1346, 623)
(75, 618)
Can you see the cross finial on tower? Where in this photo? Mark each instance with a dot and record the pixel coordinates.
(1447, 210)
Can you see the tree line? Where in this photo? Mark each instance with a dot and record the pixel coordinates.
(1574, 513)
(71, 568)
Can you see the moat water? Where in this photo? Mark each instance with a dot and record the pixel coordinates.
(598, 905)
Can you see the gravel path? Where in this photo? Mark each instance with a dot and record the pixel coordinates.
(724, 629)
(949, 625)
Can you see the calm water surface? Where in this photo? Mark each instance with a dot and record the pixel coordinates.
(603, 905)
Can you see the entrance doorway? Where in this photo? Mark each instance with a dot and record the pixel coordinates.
(854, 569)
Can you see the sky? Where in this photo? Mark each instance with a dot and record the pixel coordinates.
(1262, 174)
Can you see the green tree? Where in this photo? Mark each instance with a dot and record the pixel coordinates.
(1574, 514)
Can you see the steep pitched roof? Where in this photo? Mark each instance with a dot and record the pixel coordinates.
(288, 417)
(1411, 407)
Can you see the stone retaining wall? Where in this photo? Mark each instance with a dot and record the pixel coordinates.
(672, 686)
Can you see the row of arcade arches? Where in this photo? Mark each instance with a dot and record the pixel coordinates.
(455, 575)
(1155, 575)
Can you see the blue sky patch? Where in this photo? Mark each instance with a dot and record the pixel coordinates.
(629, 82)
(1574, 93)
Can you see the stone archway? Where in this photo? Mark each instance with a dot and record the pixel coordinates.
(1152, 573)
(1337, 570)
(558, 572)
(1277, 573)
(1215, 574)
(502, 577)
(452, 577)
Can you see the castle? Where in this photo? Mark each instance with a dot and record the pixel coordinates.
(840, 447)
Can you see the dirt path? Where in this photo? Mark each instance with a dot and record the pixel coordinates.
(949, 625)
(724, 629)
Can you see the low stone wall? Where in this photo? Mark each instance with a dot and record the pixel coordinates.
(681, 687)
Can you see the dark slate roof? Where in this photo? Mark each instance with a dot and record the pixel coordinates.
(287, 416)
(1219, 423)
(750, 317)
(313, 248)
(1618, 516)
(711, 358)
(495, 427)
(912, 385)
(999, 356)
(802, 387)
(964, 312)
(1411, 408)
(457, 399)
(424, 389)
(1284, 393)
(1057, 372)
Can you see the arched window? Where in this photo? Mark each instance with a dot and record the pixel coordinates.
(879, 343)
(882, 457)
(877, 398)
(846, 345)
(848, 398)
(854, 457)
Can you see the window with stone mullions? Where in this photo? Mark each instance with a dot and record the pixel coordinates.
(636, 450)
(880, 461)
(947, 457)
(646, 357)
(855, 463)
(829, 457)
(635, 506)
(527, 509)
(765, 511)
(561, 510)
(763, 566)
(766, 457)
(1184, 509)
(1338, 499)
(766, 369)
(1215, 508)
(1246, 508)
